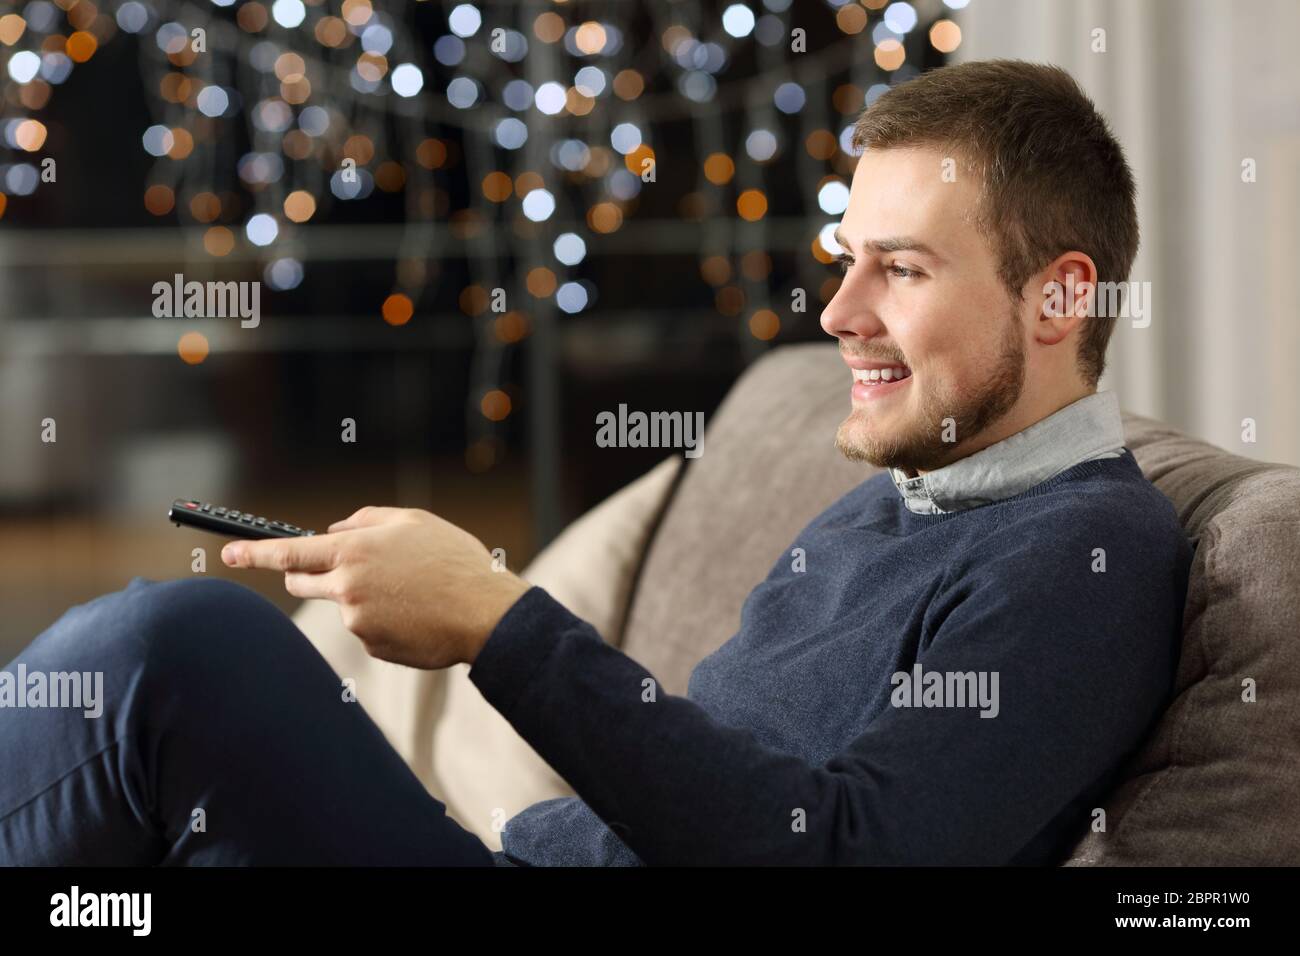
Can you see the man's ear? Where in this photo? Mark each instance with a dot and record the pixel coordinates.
(1068, 291)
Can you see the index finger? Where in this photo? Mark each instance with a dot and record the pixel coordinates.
(312, 553)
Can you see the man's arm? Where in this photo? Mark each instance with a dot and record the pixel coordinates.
(1083, 665)
(1083, 660)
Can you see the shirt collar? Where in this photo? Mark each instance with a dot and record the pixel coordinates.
(1088, 428)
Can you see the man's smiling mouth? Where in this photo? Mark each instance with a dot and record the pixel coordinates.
(881, 376)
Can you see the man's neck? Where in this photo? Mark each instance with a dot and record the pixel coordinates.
(1089, 428)
(1011, 424)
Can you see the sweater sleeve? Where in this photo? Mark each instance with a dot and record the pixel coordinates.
(563, 832)
(1083, 664)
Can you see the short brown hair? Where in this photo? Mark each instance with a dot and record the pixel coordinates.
(1054, 177)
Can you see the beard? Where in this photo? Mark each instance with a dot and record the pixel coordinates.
(918, 444)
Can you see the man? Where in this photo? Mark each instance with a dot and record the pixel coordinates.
(983, 633)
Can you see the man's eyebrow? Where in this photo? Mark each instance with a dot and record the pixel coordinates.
(891, 244)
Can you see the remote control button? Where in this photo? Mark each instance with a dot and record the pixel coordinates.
(219, 511)
(191, 504)
(206, 508)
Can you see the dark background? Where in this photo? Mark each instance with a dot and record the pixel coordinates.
(256, 424)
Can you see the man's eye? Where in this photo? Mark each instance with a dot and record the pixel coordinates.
(902, 272)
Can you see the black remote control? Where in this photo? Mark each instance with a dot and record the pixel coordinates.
(226, 521)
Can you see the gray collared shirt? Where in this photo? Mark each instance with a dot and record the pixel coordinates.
(1081, 431)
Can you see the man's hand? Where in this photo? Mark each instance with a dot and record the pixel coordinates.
(416, 589)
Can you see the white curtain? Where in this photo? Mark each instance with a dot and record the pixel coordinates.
(1192, 88)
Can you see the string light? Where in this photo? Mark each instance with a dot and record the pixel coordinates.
(338, 106)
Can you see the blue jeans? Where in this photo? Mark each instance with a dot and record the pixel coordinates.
(224, 738)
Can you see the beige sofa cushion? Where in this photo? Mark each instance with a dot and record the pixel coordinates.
(1217, 781)
(463, 751)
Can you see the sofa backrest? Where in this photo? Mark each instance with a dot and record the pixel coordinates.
(1216, 783)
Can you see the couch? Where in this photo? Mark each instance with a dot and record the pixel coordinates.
(662, 567)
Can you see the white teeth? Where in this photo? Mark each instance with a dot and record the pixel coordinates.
(878, 375)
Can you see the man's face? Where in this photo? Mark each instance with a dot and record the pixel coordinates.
(941, 315)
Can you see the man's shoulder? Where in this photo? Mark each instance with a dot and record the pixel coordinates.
(1102, 499)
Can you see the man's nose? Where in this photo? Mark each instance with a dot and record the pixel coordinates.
(849, 313)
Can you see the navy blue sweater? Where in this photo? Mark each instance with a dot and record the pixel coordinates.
(794, 744)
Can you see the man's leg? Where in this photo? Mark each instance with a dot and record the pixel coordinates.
(224, 738)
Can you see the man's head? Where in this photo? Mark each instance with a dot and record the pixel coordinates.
(1002, 178)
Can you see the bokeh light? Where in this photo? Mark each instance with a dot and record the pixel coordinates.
(569, 248)
(764, 324)
(752, 205)
(464, 20)
(495, 405)
(398, 309)
(192, 347)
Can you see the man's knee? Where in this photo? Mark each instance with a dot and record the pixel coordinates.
(197, 621)
(197, 603)
(210, 625)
